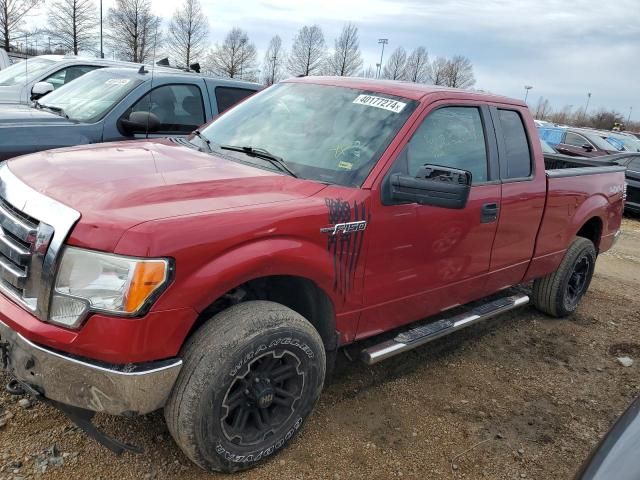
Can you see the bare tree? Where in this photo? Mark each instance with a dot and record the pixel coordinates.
(346, 59)
(459, 73)
(368, 72)
(395, 68)
(133, 30)
(12, 13)
(308, 51)
(418, 66)
(543, 109)
(438, 71)
(72, 23)
(188, 32)
(235, 58)
(274, 59)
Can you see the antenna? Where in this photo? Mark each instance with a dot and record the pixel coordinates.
(153, 67)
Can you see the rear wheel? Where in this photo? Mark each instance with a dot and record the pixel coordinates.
(559, 293)
(251, 376)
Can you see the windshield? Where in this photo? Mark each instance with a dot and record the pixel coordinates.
(24, 72)
(629, 143)
(324, 133)
(90, 97)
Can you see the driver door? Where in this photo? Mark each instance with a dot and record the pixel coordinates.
(422, 258)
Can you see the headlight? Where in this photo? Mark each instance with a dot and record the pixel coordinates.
(89, 280)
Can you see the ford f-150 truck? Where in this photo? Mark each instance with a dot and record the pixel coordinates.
(118, 104)
(216, 276)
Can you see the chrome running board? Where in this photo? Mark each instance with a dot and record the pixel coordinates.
(418, 336)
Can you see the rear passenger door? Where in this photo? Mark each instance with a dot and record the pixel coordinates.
(523, 197)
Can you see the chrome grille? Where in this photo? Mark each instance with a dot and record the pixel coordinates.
(20, 238)
(29, 250)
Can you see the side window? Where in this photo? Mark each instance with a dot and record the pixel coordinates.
(227, 97)
(575, 139)
(517, 163)
(179, 108)
(449, 137)
(68, 74)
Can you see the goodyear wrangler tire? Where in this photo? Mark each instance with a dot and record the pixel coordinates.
(559, 293)
(251, 376)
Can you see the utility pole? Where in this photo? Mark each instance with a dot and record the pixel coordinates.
(629, 117)
(587, 106)
(383, 42)
(526, 92)
(101, 50)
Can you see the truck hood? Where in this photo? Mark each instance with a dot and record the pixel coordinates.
(116, 186)
(17, 115)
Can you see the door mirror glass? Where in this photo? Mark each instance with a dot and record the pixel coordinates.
(40, 89)
(139, 122)
(433, 185)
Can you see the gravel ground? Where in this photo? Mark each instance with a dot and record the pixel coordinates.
(523, 396)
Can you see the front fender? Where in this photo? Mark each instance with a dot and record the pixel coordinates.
(248, 261)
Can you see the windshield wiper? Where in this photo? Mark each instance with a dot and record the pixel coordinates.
(264, 155)
(204, 140)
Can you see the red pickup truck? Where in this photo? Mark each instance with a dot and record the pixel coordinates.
(216, 277)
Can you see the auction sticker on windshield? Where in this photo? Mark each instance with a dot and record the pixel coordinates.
(380, 102)
(117, 81)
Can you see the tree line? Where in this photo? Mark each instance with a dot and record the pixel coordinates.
(602, 118)
(135, 34)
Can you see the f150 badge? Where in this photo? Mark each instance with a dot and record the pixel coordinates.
(349, 227)
(345, 234)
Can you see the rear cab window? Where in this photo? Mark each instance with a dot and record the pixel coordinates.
(515, 153)
(227, 97)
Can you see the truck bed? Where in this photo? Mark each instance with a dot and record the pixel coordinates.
(557, 165)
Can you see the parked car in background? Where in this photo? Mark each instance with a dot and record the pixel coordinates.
(5, 61)
(616, 457)
(577, 142)
(117, 104)
(37, 76)
(629, 142)
(632, 163)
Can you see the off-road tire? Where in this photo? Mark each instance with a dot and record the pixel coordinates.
(551, 293)
(232, 343)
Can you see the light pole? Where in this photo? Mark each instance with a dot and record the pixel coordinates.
(629, 117)
(383, 42)
(526, 92)
(101, 51)
(587, 106)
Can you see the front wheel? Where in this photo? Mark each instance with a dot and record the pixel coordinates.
(251, 376)
(559, 293)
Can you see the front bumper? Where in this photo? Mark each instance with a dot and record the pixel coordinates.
(133, 389)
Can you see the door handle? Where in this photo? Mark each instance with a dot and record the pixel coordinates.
(489, 212)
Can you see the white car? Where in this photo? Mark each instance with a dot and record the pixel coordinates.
(4, 59)
(33, 78)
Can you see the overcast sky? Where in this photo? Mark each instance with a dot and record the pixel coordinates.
(563, 48)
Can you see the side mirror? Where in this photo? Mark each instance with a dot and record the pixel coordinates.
(139, 122)
(40, 89)
(587, 147)
(433, 185)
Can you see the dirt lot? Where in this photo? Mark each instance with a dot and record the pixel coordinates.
(524, 396)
